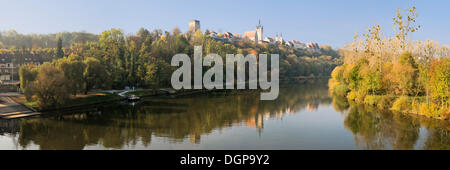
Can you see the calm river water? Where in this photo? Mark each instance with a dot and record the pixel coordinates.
(303, 117)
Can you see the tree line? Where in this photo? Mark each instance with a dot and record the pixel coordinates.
(11, 39)
(143, 60)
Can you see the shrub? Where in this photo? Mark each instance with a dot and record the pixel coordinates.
(424, 109)
(360, 96)
(372, 100)
(385, 102)
(351, 96)
(432, 110)
(338, 73)
(341, 90)
(402, 104)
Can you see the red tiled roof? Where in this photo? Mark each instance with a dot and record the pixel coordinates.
(249, 34)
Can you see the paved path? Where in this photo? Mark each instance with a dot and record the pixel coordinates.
(12, 110)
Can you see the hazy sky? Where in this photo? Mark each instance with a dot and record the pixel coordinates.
(324, 21)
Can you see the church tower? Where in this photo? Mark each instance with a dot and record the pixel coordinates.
(281, 38)
(259, 33)
(194, 25)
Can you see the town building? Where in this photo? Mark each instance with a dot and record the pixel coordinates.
(194, 25)
(279, 39)
(6, 69)
(257, 35)
(10, 64)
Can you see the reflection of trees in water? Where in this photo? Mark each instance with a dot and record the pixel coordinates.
(9, 126)
(438, 139)
(339, 103)
(116, 126)
(377, 129)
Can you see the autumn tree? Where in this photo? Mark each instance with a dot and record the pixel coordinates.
(405, 24)
(51, 86)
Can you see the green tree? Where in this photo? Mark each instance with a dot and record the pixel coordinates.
(73, 68)
(94, 75)
(112, 43)
(27, 75)
(59, 50)
(158, 74)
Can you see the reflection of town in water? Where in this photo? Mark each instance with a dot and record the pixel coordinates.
(189, 118)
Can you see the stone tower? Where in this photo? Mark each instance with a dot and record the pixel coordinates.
(259, 33)
(194, 25)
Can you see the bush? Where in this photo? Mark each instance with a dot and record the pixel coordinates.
(372, 100)
(385, 102)
(351, 96)
(338, 73)
(341, 90)
(360, 96)
(431, 110)
(424, 109)
(402, 104)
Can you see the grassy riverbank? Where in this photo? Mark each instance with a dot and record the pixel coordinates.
(403, 104)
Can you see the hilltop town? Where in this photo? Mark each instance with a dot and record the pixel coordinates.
(256, 35)
(18, 50)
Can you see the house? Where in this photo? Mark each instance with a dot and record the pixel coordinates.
(257, 36)
(251, 35)
(7, 68)
(313, 46)
(10, 64)
(227, 35)
(269, 40)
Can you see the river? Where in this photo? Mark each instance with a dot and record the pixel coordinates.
(303, 117)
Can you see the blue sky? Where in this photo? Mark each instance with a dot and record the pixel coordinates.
(324, 21)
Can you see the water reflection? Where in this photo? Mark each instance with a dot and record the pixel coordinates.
(380, 129)
(191, 118)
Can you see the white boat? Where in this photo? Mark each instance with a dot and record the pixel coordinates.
(133, 98)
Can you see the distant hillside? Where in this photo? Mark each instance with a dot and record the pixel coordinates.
(12, 39)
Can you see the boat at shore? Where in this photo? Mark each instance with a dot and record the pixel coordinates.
(133, 98)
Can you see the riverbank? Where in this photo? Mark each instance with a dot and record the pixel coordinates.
(100, 97)
(402, 87)
(78, 101)
(401, 104)
(95, 98)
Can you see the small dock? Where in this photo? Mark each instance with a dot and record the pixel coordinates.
(168, 90)
(9, 109)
